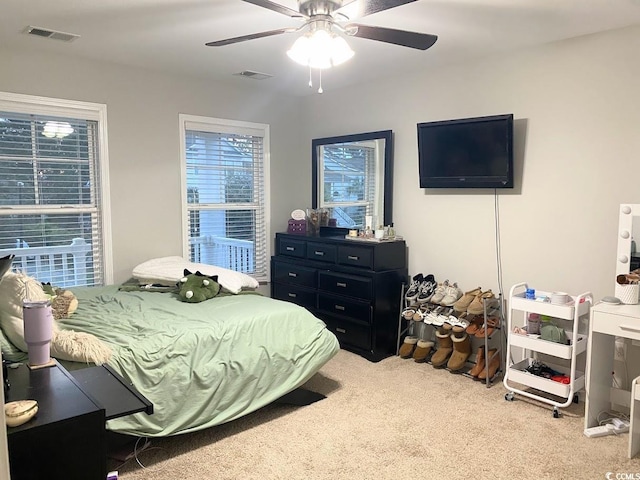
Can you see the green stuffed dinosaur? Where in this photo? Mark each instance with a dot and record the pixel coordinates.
(197, 287)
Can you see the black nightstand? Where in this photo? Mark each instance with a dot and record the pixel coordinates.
(67, 438)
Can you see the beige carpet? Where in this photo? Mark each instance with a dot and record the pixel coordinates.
(395, 420)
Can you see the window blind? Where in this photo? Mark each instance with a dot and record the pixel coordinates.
(225, 196)
(50, 200)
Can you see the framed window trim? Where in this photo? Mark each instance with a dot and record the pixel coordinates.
(37, 105)
(220, 125)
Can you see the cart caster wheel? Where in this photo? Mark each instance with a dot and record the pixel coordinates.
(509, 397)
(556, 413)
(576, 398)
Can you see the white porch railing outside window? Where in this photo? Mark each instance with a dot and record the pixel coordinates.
(224, 252)
(62, 266)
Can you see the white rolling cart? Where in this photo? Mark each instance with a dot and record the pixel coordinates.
(516, 373)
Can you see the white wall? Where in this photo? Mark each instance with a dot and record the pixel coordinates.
(142, 110)
(575, 105)
(577, 117)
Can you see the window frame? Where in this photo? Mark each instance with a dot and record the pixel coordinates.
(220, 125)
(38, 105)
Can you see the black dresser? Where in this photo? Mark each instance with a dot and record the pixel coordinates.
(354, 286)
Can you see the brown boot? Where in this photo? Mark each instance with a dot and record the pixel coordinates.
(479, 366)
(493, 357)
(461, 352)
(406, 349)
(445, 348)
(422, 351)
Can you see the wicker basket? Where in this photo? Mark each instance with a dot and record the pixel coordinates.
(628, 294)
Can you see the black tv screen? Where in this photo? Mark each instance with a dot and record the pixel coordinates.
(466, 153)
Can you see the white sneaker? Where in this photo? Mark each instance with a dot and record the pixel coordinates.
(440, 292)
(452, 294)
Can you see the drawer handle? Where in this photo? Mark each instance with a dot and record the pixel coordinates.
(340, 330)
(294, 275)
(340, 284)
(339, 307)
(291, 249)
(353, 257)
(319, 253)
(292, 295)
(633, 329)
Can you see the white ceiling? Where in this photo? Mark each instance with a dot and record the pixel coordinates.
(169, 35)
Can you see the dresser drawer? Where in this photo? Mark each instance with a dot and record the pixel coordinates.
(618, 325)
(355, 256)
(294, 274)
(322, 252)
(345, 307)
(302, 296)
(351, 334)
(292, 248)
(344, 284)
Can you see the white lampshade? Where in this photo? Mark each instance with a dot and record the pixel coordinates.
(320, 49)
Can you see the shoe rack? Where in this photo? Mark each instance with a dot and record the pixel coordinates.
(477, 366)
(534, 370)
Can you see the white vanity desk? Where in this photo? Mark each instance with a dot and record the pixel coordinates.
(607, 322)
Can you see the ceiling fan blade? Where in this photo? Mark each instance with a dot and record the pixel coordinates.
(362, 8)
(244, 38)
(276, 7)
(421, 41)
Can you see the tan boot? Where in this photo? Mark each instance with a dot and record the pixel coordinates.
(445, 348)
(493, 359)
(406, 349)
(461, 352)
(422, 351)
(479, 366)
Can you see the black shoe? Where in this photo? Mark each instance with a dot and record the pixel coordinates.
(414, 288)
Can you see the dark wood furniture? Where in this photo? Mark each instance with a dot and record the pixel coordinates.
(354, 286)
(67, 437)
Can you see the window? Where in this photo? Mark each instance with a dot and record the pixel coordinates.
(348, 182)
(53, 169)
(225, 171)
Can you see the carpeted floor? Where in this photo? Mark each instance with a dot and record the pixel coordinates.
(395, 420)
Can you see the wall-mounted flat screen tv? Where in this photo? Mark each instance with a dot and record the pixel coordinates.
(466, 152)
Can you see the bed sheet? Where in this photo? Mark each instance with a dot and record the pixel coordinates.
(202, 364)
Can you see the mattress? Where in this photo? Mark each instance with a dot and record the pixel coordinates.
(202, 364)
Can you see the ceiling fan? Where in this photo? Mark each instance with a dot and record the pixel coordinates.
(324, 15)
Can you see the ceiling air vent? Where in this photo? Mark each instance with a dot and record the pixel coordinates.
(46, 33)
(253, 75)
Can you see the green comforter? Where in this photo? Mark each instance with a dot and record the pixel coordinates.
(202, 364)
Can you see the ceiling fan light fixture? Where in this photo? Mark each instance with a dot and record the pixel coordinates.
(320, 49)
(57, 129)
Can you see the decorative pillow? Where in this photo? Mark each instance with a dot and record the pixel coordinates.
(5, 264)
(196, 287)
(65, 344)
(14, 288)
(169, 270)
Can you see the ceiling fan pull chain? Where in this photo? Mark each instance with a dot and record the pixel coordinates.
(310, 82)
(320, 77)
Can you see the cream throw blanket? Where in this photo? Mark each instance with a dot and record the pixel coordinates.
(65, 344)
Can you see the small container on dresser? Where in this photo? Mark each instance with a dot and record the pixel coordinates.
(353, 286)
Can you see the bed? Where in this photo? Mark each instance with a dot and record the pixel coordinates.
(200, 364)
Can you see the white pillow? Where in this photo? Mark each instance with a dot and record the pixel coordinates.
(169, 270)
(15, 287)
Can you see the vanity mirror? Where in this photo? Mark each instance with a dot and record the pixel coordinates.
(352, 177)
(628, 234)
